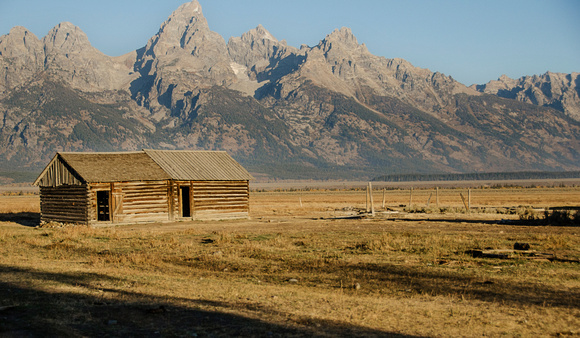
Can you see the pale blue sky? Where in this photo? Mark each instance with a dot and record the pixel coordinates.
(473, 41)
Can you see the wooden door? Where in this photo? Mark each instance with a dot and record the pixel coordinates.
(103, 206)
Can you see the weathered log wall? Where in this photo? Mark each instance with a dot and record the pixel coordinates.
(213, 199)
(133, 201)
(65, 204)
(145, 201)
(228, 199)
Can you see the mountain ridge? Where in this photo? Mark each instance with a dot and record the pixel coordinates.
(556, 90)
(330, 110)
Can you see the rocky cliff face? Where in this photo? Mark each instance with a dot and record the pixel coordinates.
(333, 110)
(21, 57)
(182, 57)
(556, 90)
(66, 54)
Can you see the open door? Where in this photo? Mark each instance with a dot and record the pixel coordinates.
(185, 201)
(103, 206)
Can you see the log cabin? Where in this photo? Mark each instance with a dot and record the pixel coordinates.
(104, 188)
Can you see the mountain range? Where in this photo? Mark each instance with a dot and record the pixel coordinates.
(329, 111)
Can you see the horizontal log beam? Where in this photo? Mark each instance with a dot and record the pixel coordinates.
(221, 208)
(144, 205)
(67, 218)
(56, 194)
(145, 201)
(84, 201)
(217, 195)
(218, 203)
(220, 198)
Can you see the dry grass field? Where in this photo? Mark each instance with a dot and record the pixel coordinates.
(302, 266)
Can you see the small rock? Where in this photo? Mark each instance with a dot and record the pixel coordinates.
(159, 309)
(293, 280)
(356, 286)
(521, 246)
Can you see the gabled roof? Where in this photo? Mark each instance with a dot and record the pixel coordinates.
(114, 167)
(147, 165)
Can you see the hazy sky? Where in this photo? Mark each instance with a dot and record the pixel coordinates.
(473, 41)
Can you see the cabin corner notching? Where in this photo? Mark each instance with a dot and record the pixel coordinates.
(150, 185)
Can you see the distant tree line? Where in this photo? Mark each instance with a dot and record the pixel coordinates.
(521, 175)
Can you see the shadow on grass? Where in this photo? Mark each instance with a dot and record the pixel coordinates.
(435, 281)
(32, 312)
(515, 222)
(429, 280)
(29, 219)
(426, 218)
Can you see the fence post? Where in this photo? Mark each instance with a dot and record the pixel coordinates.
(469, 199)
(367, 197)
(371, 198)
(384, 190)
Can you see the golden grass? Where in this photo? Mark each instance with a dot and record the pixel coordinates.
(294, 271)
(18, 204)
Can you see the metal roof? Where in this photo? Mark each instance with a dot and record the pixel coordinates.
(199, 165)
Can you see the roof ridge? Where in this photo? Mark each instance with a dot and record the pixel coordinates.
(100, 152)
(185, 151)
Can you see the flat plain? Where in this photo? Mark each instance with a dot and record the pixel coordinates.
(308, 263)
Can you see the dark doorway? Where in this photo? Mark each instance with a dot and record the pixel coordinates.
(185, 202)
(103, 214)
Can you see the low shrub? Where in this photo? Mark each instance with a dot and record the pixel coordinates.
(562, 217)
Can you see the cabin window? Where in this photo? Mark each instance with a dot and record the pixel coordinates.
(185, 201)
(103, 214)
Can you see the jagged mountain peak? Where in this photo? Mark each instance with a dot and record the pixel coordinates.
(66, 37)
(341, 42)
(188, 16)
(183, 56)
(182, 30)
(504, 78)
(256, 49)
(556, 90)
(21, 56)
(17, 42)
(260, 33)
(343, 35)
(18, 31)
(188, 9)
